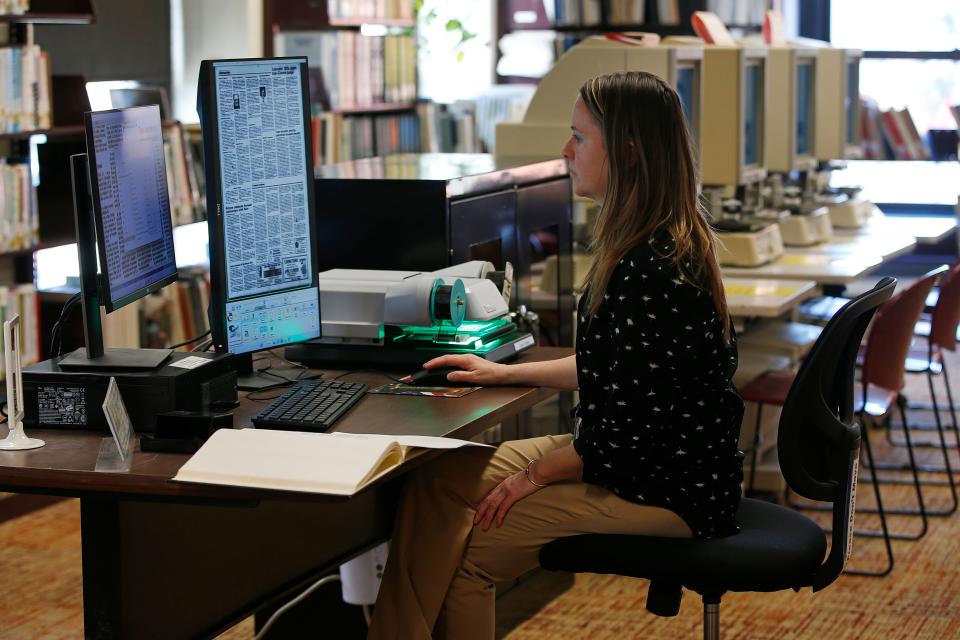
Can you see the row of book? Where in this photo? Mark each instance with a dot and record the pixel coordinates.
(14, 7)
(890, 134)
(361, 9)
(449, 128)
(19, 222)
(170, 316)
(176, 313)
(22, 300)
(339, 138)
(184, 179)
(596, 13)
(431, 128)
(739, 12)
(24, 89)
(349, 70)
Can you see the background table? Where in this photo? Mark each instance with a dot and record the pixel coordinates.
(757, 297)
(821, 268)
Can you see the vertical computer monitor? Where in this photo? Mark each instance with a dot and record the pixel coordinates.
(124, 176)
(732, 127)
(851, 105)
(791, 109)
(688, 89)
(255, 119)
(753, 114)
(837, 136)
(804, 107)
(678, 63)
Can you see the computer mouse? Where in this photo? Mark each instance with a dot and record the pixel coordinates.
(435, 377)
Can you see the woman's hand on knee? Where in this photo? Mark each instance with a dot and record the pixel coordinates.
(473, 369)
(494, 507)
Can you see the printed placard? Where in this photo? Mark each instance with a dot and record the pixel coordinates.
(118, 419)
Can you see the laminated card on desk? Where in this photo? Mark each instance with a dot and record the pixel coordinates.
(331, 463)
(116, 452)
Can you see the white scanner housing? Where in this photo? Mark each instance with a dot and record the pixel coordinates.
(355, 304)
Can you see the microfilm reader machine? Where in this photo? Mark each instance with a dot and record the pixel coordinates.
(402, 318)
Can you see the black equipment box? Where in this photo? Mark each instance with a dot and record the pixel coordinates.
(74, 399)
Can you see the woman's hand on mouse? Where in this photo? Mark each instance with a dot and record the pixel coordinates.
(473, 370)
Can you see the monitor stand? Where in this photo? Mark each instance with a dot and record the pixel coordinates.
(250, 379)
(115, 359)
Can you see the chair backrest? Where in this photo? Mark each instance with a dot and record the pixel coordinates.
(888, 344)
(946, 313)
(818, 440)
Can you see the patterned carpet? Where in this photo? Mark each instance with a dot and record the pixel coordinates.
(40, 586)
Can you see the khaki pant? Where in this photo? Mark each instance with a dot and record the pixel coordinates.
(441, 570)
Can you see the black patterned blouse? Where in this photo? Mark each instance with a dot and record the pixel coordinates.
(660, 419)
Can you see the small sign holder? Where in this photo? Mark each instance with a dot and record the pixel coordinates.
(16, 439)
(116, 453)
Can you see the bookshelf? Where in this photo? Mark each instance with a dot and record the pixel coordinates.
(54, 12)
(49, 108)
(43, 152)
(72, 130)
(573, 20)
(362, 72)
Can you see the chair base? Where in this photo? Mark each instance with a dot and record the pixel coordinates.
(711, 619)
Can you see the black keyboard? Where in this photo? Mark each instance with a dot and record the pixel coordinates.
(310, 405)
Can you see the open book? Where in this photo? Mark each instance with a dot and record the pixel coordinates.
(334, 463)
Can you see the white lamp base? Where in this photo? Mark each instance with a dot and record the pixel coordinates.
(16, 440)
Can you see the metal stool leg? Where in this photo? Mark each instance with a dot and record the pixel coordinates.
(711, 618)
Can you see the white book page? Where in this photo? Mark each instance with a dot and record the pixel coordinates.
(425, 442)
(289, 461)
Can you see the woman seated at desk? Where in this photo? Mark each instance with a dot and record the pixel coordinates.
(655, 452)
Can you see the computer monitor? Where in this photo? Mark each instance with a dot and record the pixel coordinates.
(546, 122)
(851, 102)
(680, 64)
(688, 89)
(123, 176)
(255, 120)
(791, 111)
(732, 126)
(804, 107)
(838, 135)
(753, 114)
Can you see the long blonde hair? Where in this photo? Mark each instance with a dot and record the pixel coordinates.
(652, 184)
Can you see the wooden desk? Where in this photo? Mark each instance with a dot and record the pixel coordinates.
(753, 297)
(822, 268)
(170, 560)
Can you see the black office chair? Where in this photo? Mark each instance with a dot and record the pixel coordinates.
(776, 547)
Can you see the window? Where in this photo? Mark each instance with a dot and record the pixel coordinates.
(455, 59)
(910, 50)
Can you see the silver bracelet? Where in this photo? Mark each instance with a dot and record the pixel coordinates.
(526, 472)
